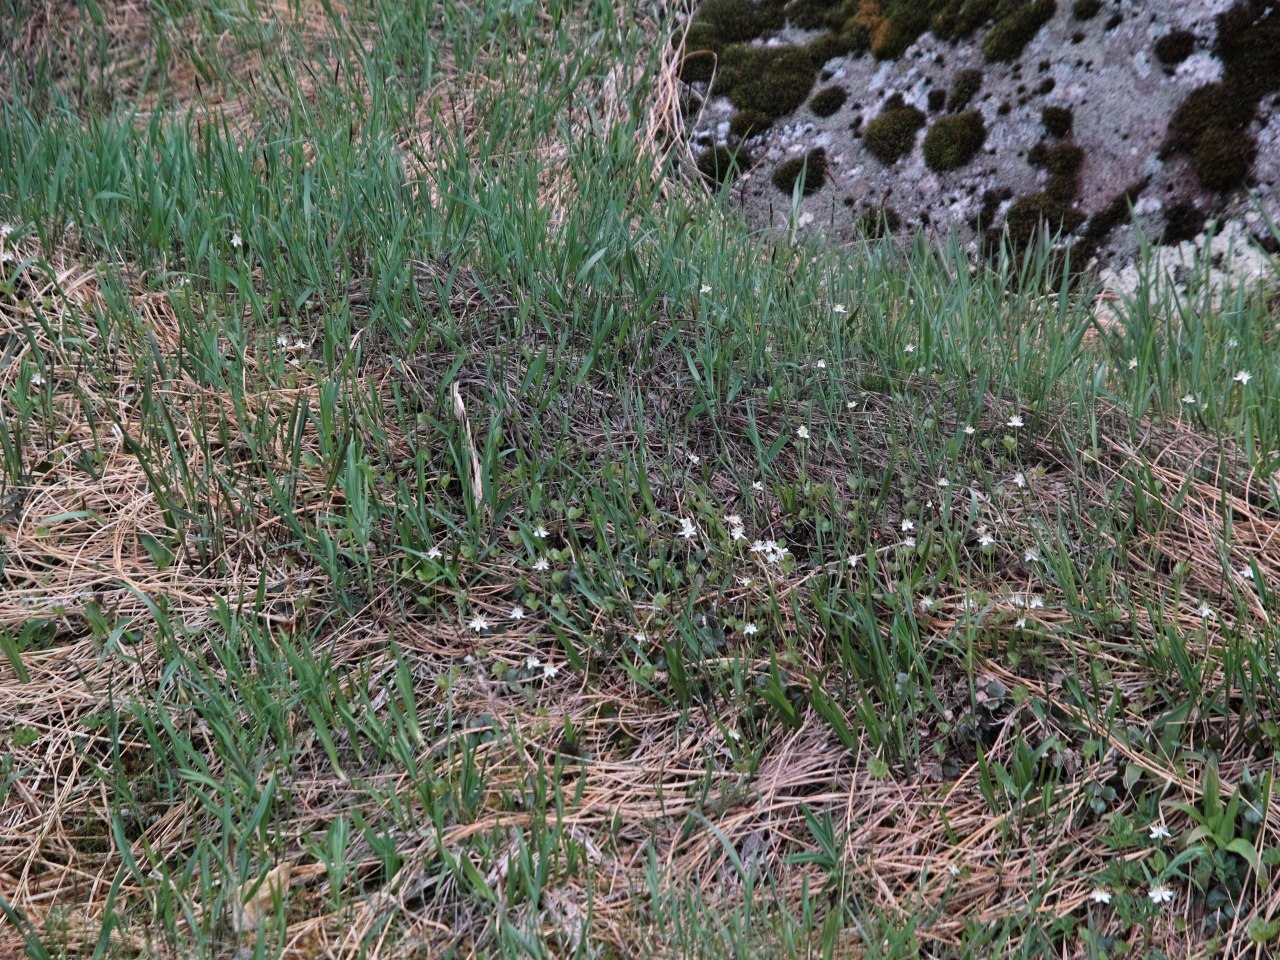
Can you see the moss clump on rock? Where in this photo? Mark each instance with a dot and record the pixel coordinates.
(747, 123)
(812, 166)
(893, 133)
(831, 45)
(1057, 120)
(810, 14)
(828, 101)
(1182, 222)
(1173, 48)
(1086, 9)
(1055, 205)
(721, 165)
(739, 21)
(954, 140)
(1004, 41)
(964, 87)
(1248, 45)
(1212, 105)
(959, 18)
(906, 22)
(1224, 157)
(771, 80)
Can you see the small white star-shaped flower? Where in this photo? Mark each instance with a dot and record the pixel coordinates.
(517, 613)
(705, 288)
(854, 559)
(802, 432)
(909, 541)
(926, 603)
(749, 628)
(1031, 556)
(746, 581)
(1160, 894)
(540, 532)
(1206, 612)
(687, 529)
(434, 553)
(908, 525)
(1188, 398)
(549, 671)
(732, 520)
(478, 624)
(37, 380)
(969, 430)
(986, 540)
(757, 486)
(1015, 421)
(1243, 377)
(944, 482)
(909, 348)
(1035, 602)
(821, 365)
(1159, 832)
(541, 564)
(1020, 623)
(1019, 480)
(695, 459)
(1100, 896)
(640, 638)
(1133, 363)
(533, 663)
(235, 240)
(839, 308)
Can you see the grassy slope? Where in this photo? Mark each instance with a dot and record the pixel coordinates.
(333, 335)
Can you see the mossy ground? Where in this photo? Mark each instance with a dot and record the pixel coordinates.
(892, 134)
(812, 167)
(954, 140)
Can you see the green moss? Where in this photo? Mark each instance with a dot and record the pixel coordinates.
(879, 222)
(738, 21)
(810, 14)
(827, 101)
(1086, 9)
(1004, 41)
(906, 22)
(959, 18)
(954, 140)
(1248, 45)
(1173, 48)
(771, 80)
(1224, 157)
(831, 45)
(812, 166)
(893, 133)
(721, 165)
(747, 123)
(964, 87)
(1057, 120)
(1028, 213)
(1213, 105)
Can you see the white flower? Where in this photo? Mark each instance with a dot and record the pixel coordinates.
(908, 525)
(434, 553)
(478, 624)
(533, 663)
(1246, 572)
(969, 431)
(953, 870)
(749, 628)
(1100, 896)
(517, 613)
(1160, 894)
(549, 671)
(6, 257)
(687, 529)
(854, 559)
(1019, 480)
(1232, 343)
(909, 542)
(926, 603)
(235, 240)
(1159, 832)
(299, 344)
(1189, 398)
(37, 380)
(821, 364)
(541, 564)
(839, 308)
(1031, 556)
(986, 540)
(851, 405)
(640, 638)
(705, 288)
(1133, 363)
(1243, 377)
(1015, 421)
(283, 341)
(6, 229)
(1206, 612)
(944, 482)
(732, 520)
(1020, 623)
(909, 348)
(695, 459)
(757, 486)
(802, 432)
(746, 581)
(1035, 602)
(734, 735)
(540, 532)
(738, 534)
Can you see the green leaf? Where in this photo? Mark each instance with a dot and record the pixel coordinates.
(1243, 848)
(1260, 931)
